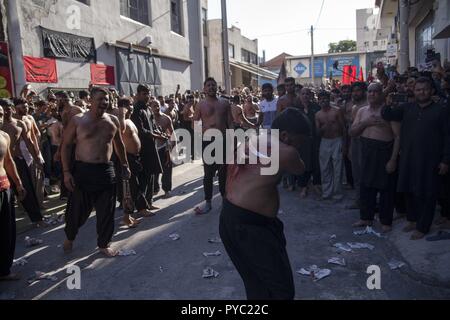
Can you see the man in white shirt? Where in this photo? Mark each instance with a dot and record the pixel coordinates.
(268, 106)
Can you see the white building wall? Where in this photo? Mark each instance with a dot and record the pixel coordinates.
(102, 21)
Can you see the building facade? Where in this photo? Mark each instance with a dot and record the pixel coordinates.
(117, 43)
(244, 61)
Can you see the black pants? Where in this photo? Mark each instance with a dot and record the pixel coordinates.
(444, 196)
(306, 177)
(257, 248)
(187, 125)
(7, 233)
(368, 203)
(30, 203)
(166, 179)
(348, 171)
(95, 188)
(421, 209)
(137, 183)
(210, 172)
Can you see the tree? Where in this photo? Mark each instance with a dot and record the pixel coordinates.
(342, 46)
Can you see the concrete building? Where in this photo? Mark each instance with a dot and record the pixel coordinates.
(159, 42)
(367, 39)
(244, 64)
(299, 67)
(428, 25)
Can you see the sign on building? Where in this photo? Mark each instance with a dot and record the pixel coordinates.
(343, 61)
(300, 69)
(319, 70)
(392, 51)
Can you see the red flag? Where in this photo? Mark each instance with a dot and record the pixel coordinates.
(102, 75)
(40, 70)
(361, 75)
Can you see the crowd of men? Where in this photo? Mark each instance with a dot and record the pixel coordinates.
(388, 140)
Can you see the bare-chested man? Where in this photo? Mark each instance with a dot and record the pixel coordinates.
(137, 182)
(187, 120)
(251, 111)
(7, 212)
(330, 127)
(92, 181)
(19, 133)
(290, 99)
(380, 144)
(250, 230)
(164, 123)
(215, 114)
(240, 121)
(359, 98)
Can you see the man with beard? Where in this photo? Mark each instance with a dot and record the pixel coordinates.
(424, 155)
(144, 121)
(268, 106)
(92, 181)
(215, 114)
(290, 99)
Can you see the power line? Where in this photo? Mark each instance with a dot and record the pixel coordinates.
(320, 13)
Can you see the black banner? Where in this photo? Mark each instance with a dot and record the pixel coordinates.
(68, 46)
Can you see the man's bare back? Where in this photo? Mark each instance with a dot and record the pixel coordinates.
(330, 123)
(14, 129)
(94, 137)
(131, 138)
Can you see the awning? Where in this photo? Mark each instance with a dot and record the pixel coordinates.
(254, 70)
(443, 34)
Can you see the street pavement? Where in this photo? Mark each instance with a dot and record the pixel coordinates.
(166, 269)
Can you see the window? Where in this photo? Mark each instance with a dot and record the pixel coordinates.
(175, 16)
(249, 57)
(375, 43)
(137, 10)
(424, 39)
(231, 50)
(205, 21)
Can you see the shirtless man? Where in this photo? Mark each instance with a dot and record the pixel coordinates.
(164, 123)
(92, 181)
(7, 212)
(137, 181)
(187, 123)
(380, 145)
(250, 230)
(330, 127)
(215, 114)
(251, 111)
(290, 99)
(19, 133)
(240, 121)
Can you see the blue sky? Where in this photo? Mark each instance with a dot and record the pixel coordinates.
(283, 25)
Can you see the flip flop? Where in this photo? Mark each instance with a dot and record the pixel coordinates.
(441, 235)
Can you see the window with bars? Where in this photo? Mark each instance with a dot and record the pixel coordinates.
(137, 10)
(175, 16)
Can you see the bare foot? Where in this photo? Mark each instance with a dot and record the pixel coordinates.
(10, 277)
(206, 208)
(399, 216)
(291, 188)
(130, 222)
(441, 221)
(445, 225)
(386, 229)
(317, 190)
(109, 252)
(417, 235)
(410, 227)
(362, 223)
(146, 213)
(167, 195)
(68, 246)
(154, 208)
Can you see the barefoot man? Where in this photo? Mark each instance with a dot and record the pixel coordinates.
(92, 181)
(250, 230)
(137, 180)
(330, 127)
(215, 114)
(380, 145)
(7, 213)
(19, 132)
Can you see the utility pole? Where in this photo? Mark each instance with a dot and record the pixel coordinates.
(312, 55)
(226, 55)
(404, 36)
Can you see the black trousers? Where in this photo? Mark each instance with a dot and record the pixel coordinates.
(187, 125)
(166, 180)
(210, 172)
(444, 197)
(348, 171)
(95, 188)
(368, 203)
(137, 183)
(7, 233)
(257, 247)
(421, 210)
(30, 203)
